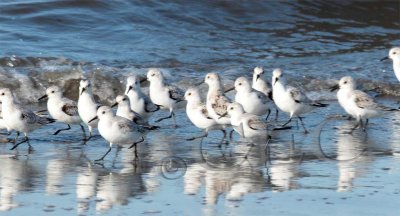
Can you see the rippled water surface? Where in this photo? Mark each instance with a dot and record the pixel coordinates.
(327, 172)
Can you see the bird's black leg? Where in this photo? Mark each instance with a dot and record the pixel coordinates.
(276, 114)
(23, 141)
(58, 131)
(356, 126)
(102, 158)
(198, 137)
(161, 119)
(290, 119)
(269, 112)
(134, 144)
(84, 134)
(302, 124)
(16, 137)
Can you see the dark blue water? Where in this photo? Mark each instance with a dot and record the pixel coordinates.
(191, 38)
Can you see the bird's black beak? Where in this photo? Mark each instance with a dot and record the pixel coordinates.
(257, 77)
(334, 88)
(43, 97)
(385, 58)
(130, 88)
(229, 89)
(276, 80)
(114, 105)
(83, 89)
(93, 119)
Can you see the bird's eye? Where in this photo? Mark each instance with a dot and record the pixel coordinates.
(135, 82)
(2, 93)
(240, 83)
(190, 94)
(104, 112)
(394, 53)
(345, 82)
(208, 77)
(52, 91)
(153, 75)
(124, 99)
(231, 108)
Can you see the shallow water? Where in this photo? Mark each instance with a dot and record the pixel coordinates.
(335, 172)
(59, 42)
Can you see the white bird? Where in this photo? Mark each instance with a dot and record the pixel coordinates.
(394, 55)
(87, 106)
(124, 110)
(62, 109)
(252, 101)
(246, 124)
(18, 118)
(357, 103)
(261, 85)
(217, 102)
(163, 95)
(117, 130)
(198, 114)
(290, 99)
(139, 102)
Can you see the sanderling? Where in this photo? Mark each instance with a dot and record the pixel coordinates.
(262, 86)
(290, 99)
(124, 110)
(217, 102)
(18, 118)
(87, 106)
(246, 124)
(252, 101)
(139, 102)
(62, 109)
(394, 54)
(358, 103)
(163, 95)
(198, 114)
(117, 130)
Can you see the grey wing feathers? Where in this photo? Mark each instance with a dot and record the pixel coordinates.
(298, 96)
(32, 118)
(364, 101)
(148, 105)
(257, 124)
(28, 116)
(126, 126)
(262, 96)
(70, 109)
(175, 93)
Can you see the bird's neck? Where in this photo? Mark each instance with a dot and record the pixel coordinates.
(193, 103)
(7, 105)
(235, 118)
(216, 87)
(157, 83)
(123, 108)
(396, 68)
(279, 86)
(86, 96)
